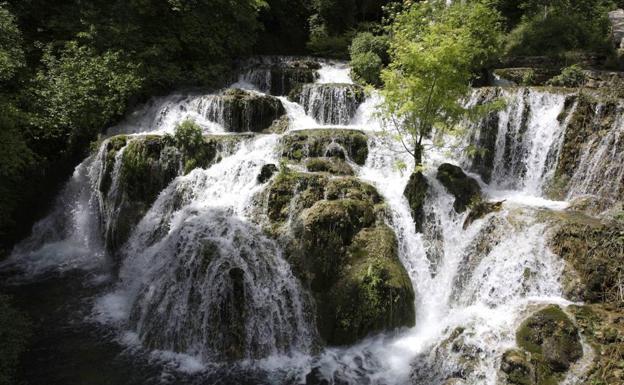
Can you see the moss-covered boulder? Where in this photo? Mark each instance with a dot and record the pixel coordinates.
(243, 111)
(333, 231)
(480, 209)
(137, 169)
(329, 103)
(266, 172)
(517, 367)
(416, 193)
(334, 165)
(281, 77)
(550, 335)
(339, 143)
(550, 344)
(594, 250)
(464, 188)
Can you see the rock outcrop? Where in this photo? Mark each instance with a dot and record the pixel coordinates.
(243, 111)
(339, 246)
(549, 344)
(465, 189)
(136, 170)
(416, 193)
(344, 144)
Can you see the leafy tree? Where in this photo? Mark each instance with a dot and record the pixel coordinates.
(434, 49)
(11, 53)
(80, 92)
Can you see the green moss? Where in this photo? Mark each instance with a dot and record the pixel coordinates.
(113, 146)
(595, 250)
(416, 192)
(374, 292)
(338, 250)
(334, 165)
(465, 189)
(322, 142)
(518, 368)
(553, 341)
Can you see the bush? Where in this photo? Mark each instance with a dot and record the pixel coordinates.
(367, 67)
(572, 76)
(557, 32)
(365, 42)
(80, 92)
(369, 55)
(188, 136)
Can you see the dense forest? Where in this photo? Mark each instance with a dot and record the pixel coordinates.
(71, 69)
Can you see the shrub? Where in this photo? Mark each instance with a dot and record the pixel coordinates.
(188, 136)
(367, 67)
(572, 76)
(365, 42)
(80, 92)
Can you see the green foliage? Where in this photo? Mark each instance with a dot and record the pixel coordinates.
(188, 135)
(11, 53)
(557, 26)
(14, 334)
(369, 54)
(435, 49)
(80, 92)
(572, 76)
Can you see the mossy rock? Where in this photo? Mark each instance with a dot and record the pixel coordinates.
(286, 78)
(317, 143)
(374, 292)
(516, 364)
(553, 341)
(148, 164)
(465, 189)
(266, 172)
(339, 249)
(328, 228)
(595, 251)
(245, 111)
(480, 209)
(416, 192)
(334, 166)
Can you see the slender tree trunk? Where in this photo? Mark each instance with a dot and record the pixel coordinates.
(418, 155)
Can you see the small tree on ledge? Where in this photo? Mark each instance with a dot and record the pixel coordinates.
(435, 50)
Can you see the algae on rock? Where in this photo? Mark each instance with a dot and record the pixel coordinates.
(339, 247)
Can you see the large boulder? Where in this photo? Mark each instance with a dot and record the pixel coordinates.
(416, 192)
(594, 252)
(281, 77)
(341, 143)
(549, 344)
(136, 170)
(465, 189)
(243, 111)
(342, 251)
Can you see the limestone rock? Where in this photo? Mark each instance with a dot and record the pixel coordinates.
(465, 189)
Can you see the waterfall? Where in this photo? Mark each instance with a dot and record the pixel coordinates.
(528, 130)
(600, 170)
(199, 275)
(331, 104)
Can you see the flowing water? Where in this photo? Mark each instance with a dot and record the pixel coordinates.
(197, 266)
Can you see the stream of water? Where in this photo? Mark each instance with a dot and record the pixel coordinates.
(482, 279)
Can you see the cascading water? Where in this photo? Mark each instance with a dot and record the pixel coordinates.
(601, 165)
(198, 275)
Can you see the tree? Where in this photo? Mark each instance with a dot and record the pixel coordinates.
(435, 49)
(80, 92)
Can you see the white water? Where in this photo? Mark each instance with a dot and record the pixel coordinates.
(482, 279)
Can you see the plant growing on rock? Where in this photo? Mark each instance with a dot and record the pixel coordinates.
(572, 76)
(435, 49)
